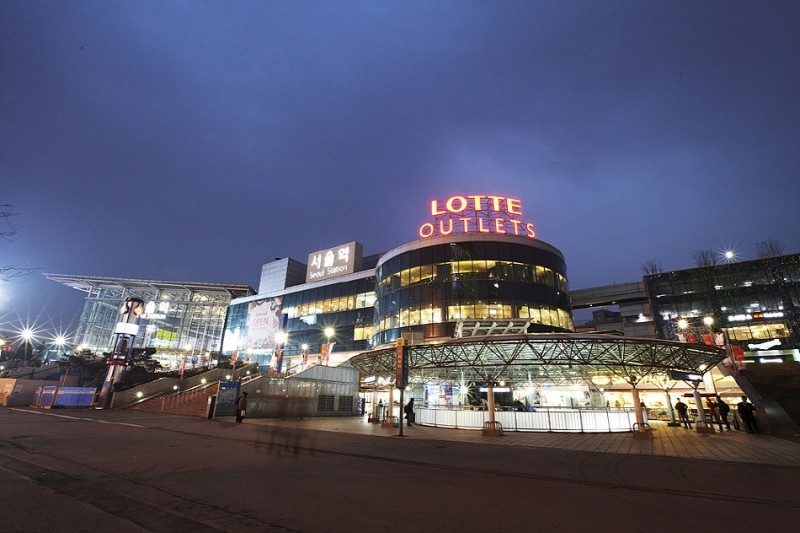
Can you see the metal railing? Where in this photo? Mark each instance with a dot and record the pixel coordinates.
(543, 419)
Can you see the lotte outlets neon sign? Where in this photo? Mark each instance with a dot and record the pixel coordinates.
(477, 214)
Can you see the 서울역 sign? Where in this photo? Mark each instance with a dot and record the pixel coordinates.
(336, 261)
(477, 213)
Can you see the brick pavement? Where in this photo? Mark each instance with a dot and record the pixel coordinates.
(732, 446)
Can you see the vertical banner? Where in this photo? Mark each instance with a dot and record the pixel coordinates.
(263, 322)
(401, 366)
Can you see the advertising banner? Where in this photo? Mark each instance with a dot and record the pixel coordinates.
(263, 322)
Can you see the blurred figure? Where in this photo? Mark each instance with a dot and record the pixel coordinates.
(747, 412)
(241, 408)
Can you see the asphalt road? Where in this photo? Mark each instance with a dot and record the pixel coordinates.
(123, 471)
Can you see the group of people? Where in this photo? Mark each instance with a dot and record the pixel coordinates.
(719, 411)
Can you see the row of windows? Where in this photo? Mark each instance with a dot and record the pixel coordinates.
(473, 270)
(760, 331)
(537, 314)
(472, 251)
(441, 294)
(331, 305)
(333, 291)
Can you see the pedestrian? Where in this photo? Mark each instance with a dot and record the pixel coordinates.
(409, 410)
(241, 407)
(724, 410)
(747, 412)
(713, 410)
(683, 414)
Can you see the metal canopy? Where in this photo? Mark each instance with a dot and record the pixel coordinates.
(88, 283)
(557, 358)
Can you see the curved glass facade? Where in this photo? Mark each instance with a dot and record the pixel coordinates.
(430, 285)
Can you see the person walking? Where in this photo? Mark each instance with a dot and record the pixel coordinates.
(724, 411)
(683, 414)
(241, 408)
(409, 410)
(713, 410)
(747, 412)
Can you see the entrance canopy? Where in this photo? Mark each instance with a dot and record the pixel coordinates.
(557, 358)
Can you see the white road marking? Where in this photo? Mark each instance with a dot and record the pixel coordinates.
(78, 418)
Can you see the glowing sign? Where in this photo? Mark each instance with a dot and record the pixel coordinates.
(477, 213)
(337, 261)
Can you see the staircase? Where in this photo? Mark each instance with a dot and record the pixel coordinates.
(192, 402)
(778, 387)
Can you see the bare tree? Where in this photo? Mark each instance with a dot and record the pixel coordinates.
(6, 212)
(704, 258)
(652, 266)
(7, 230)
(769, 248)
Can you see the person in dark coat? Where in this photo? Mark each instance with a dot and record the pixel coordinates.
(409, 410)
(241, 407)
(724, 410)
(683, 414)
(747, 412)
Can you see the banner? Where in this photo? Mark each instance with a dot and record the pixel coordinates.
(263, 322)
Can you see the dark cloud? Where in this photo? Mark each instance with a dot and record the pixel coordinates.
(197, 140)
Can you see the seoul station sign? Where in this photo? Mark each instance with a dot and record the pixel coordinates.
(477, 214)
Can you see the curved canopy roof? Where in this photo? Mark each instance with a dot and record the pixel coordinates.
(557, 358)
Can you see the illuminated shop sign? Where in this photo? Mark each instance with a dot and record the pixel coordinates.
(477, 213)
(336, 261)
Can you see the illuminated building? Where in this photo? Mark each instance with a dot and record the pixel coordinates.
(476, 261)
(478, 298)
(755, 304)
(179, 318)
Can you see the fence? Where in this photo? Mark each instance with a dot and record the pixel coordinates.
(544, 419)
(55, 396)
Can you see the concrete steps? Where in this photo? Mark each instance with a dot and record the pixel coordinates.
(187, 403)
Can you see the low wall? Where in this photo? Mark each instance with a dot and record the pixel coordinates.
(17, 392)
(545, 419)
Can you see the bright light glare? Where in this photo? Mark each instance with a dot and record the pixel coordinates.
(60, 340)
(281, 337)
(27, 334)
(708, 320)
(683, 323)
(304, 346)
(329, 332)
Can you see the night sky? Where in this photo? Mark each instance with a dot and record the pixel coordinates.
(195, 141)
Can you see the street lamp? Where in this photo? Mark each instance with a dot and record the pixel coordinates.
(27, 337)
(304, 348)
(328, 334)
(280, 341)
(60, 341)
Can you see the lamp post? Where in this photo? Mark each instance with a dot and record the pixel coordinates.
(708, 338)
(60, 341)
(328, 334)
(304, 348)
(280, 341)
(27, 342)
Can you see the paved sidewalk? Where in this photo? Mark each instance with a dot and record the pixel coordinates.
(733, 446)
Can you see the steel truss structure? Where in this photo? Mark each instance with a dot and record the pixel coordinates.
(557, 358)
